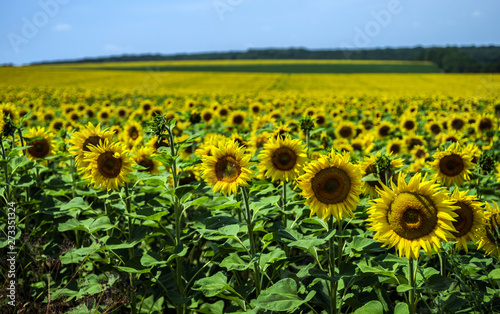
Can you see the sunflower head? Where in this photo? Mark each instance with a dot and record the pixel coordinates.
(42, 147)
(227, 168)
(452, 165)
(411, 216)
(469, 220)
(490, 236)
(82, 139)
(282, 158)
(108, 165)
(331, 186)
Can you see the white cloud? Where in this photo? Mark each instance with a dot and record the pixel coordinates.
(62, 27)
(115, 49)
(476, 13)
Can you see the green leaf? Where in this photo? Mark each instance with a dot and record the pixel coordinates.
(134, 266)
(494, 274)
(25, 181)
(72, 224)
(282, 296)
(18, 162)
(226, 232)
(403, 288)
(371, 177)
(213, 285)
(234, 262)
(179, 251)
(372, 307)
(76, 202)
(152, 259)
(438, 283)
(401, 308)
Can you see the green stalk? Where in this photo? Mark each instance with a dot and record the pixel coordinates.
(307, 140)
(130, 250)
(256, 272)
(6, 171)
(412, 304)
(178, 221)
(287, 251)
(331, 267)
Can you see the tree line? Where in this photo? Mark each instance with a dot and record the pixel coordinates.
(451, 59)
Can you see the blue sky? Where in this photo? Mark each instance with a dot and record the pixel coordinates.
(33, 31)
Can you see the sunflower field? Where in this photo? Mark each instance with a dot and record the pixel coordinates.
(158, 192)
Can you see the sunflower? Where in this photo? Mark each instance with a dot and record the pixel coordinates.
(40, 148)
(282, 158)
(86, 136)
(452, 166)
(345, 130)
(142, 157)
(457, 122)
(108, 165)
(395, 146)
(227, 169)
(57, 124)
(207, 115)
(384, 129)
(419, 152)
(104, 114)
(9, 109)
(331, 185)
(2, 122)
(470, 218)
(411, 216)
(256, 108)
(490, 235)
(414, 140)
(281, 131)
(369, 166)
(237, 119)
(408, 123)
(485, 122)
(434, 127)
(132, 134)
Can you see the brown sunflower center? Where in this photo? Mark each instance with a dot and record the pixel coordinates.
(223, 112)
(384, 131)
(39, 149)
(409, 125)
(451, 165)
(345, 131)
(227, 169)
(485, 124)
(108, 165)
(435, 129)
(207, 116)
(284, 159)
(94, 140)
(146, 163)
(457, 124)
(133, 133)
(395, 149)
(238, 119)
(331, 185)
(412, 216)
(465, 219)
(420, 153)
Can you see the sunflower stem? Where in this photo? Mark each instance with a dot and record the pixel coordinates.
(20, 133)
(412, 299)
(441, 264)
(256, 272)
(130, 250)
(283, 208)
(331, 266)
(6, 171)
(178, 219)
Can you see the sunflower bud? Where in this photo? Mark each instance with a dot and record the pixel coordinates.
(158, 125)
(486, 162)
(383, 163)
(9, 129)
(306, 123)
